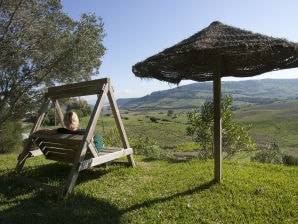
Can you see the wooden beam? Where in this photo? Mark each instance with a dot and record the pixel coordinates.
(107, 157)
(77, 89)
(41, 115)
(59, 112)
(217, 127)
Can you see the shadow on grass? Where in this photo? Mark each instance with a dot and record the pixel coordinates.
(152, 202)
(22, 204)
(58, 172)
(41, 208)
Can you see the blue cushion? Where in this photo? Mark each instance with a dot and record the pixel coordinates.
(97, 142)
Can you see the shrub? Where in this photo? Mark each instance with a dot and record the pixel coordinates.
(234, 137)
(170, 113)
(148, 147)
(270, 155)
(290, 160)
(10, 137)
(154, 119)
(80, 106)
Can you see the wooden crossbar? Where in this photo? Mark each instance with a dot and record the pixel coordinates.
(77, 89)
(105, 156)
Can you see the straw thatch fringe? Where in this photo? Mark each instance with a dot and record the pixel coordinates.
(239, 53)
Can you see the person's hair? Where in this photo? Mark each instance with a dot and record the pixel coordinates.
(71, 120)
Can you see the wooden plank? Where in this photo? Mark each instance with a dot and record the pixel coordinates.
(57, 137)
(59, 143)
(105, 151)
(104, 158)
(59, 112)
(77, 89)
(59, 150)
(46, 146)
(42, 112)
(60, 157)
(36, 152)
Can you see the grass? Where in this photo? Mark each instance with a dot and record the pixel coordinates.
(153, 192)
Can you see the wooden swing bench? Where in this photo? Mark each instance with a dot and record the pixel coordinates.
(78, 150)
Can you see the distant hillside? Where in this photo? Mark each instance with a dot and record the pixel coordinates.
(193, 95)
(123, 101)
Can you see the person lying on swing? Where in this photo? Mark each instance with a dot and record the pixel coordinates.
(71, 122)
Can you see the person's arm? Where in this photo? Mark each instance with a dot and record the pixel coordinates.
(46, 131)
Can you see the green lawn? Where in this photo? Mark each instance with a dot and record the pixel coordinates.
(153, 192)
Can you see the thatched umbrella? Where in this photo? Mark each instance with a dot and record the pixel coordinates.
(218, 51)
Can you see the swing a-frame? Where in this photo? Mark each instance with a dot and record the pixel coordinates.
(78, 150)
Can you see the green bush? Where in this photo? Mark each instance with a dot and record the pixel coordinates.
(149, 148)
(80, 106)
(235, 138)
(270, 155)
(274, 155)
(290, 160)
(10, 137)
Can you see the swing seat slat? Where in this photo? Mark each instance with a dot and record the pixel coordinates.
(58, 147)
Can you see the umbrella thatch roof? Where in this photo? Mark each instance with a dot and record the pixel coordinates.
(232, 51)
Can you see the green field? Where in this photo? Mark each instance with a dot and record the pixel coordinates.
(271, 123)
(155, 191)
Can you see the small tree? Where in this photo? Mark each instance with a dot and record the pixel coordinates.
(234, 137)
(80, 106)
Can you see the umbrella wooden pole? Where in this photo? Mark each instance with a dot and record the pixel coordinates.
(217, 127)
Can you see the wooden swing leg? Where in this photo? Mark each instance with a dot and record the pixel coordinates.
(131, 160)
(72, 179)
(25, 154)
(21, 160)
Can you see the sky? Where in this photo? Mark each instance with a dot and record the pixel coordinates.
(138, 29)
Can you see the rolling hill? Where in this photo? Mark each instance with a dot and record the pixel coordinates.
(249, 92)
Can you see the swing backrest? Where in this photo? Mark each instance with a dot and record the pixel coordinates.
(58, 147)
(64, 147)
